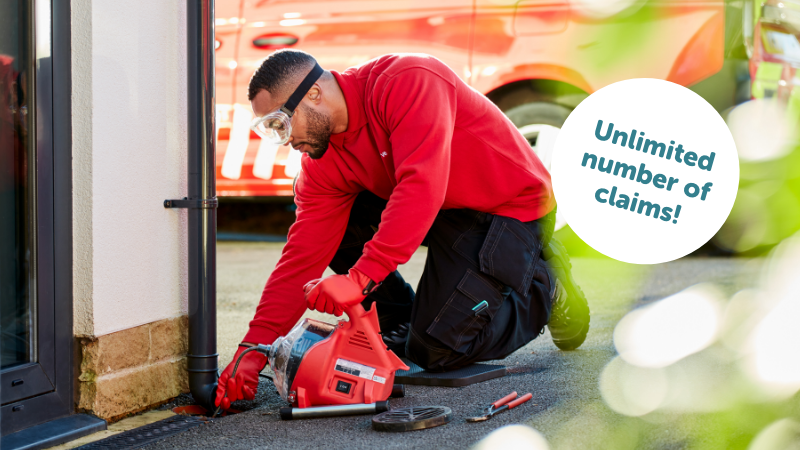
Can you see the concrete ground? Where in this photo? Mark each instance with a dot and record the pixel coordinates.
(566, 406)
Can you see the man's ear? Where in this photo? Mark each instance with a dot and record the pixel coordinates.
(315, 94)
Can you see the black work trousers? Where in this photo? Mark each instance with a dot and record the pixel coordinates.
(485, 291)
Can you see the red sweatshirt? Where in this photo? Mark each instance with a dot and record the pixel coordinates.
(420, 138)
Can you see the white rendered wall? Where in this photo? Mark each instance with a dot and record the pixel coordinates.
(129, 154)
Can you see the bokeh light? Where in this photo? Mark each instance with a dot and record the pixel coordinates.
(632, 390)
(772, 347)
(740, 319)
(513, 437)
(780, 279)
(662, 333)
(762, 130)
(776, 341)
(704, 382)
(783, 434)
(599, 9)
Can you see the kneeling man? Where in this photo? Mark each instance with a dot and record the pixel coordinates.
(400, 152)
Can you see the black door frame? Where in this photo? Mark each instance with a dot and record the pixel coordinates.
(54, 231)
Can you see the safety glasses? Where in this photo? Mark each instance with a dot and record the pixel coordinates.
(276, 127)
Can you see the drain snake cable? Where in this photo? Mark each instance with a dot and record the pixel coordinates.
(261, 348)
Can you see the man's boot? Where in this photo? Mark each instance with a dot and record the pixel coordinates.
(569, 316)
(395, 340)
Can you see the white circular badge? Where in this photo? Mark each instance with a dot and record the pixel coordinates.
(645, 171)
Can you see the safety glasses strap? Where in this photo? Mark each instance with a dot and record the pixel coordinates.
(302, 90)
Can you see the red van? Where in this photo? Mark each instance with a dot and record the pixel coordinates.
(536, 59)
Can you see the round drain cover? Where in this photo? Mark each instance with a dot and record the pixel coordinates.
(412, 418)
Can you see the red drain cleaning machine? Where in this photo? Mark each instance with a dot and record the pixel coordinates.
(318, 364)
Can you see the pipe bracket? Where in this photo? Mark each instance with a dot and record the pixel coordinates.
(206, 203)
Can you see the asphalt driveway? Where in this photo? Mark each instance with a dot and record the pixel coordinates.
(566, 406)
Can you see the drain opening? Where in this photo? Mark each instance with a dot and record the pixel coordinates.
(139, 437)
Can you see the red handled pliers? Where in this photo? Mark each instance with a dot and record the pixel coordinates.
(501, 405)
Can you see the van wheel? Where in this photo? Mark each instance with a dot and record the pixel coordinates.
(538, 112)
(531, 116)
(540, 122)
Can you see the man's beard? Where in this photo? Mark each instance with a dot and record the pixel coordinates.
(318, 130)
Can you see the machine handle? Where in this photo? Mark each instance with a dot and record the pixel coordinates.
(356, 310)
(505, 400)
(356, 313)
(520, 400)
(359, 319)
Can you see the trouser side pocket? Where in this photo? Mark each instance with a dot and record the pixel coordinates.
(471, 306)
(510, 252)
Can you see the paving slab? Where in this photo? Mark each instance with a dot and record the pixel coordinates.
(566, 405)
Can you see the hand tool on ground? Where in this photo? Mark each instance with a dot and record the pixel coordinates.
(501, 405)
(319, 364)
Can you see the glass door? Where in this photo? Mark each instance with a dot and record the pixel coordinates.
(35, 348)
(17, 173)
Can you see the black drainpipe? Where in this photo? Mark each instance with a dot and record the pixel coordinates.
(201, 203)
(202, 186)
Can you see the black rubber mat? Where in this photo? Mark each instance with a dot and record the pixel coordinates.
(456, 378)
(139, 437)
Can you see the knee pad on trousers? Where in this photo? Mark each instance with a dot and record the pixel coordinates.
(426, 354)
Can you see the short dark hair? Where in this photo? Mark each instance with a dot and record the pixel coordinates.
(277, 72)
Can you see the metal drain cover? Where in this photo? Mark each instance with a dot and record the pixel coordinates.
(413, 418)
(139, 437)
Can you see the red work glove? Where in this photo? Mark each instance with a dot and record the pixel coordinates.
(335, 293)
(310, 285)
(245, 385)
